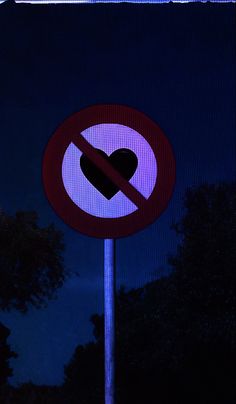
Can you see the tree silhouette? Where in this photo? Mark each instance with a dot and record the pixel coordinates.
(176, 335)
(31, 269)
(31, 263)
(5, 355)
(28, 393)
(207, 253)
(84, 375)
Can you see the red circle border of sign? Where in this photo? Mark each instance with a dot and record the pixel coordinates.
(69, 211)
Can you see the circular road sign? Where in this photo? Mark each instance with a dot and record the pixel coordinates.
(108, 171)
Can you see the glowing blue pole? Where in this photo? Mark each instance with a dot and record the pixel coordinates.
(109, 319)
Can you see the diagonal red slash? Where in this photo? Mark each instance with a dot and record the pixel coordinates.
(128, 189)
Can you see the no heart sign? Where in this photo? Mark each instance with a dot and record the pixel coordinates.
(108, 171)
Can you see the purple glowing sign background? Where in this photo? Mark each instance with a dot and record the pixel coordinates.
(139, 199)
(109, 138)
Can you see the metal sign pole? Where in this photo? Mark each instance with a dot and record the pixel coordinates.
(143, 141)
(109, 319)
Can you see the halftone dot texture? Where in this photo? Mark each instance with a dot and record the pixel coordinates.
(138, 200)
(109, 137)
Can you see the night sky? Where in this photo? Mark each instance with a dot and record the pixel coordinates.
(175, 63)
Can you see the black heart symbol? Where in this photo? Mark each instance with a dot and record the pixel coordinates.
(123, 160)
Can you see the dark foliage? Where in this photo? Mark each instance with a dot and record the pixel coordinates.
(5, 355)
(28, 393)
(86, 369)
(31, 264)
(31, 269)
(175, 336)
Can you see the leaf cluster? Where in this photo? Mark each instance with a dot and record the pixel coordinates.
(31, 262)
(175, 340)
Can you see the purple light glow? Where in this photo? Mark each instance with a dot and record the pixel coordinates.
(109, 137)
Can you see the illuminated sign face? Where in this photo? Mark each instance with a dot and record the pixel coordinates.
(108, 171)
(110, 138)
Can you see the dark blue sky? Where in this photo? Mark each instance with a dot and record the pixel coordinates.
(175, 63)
